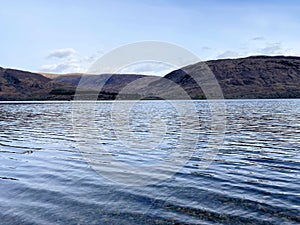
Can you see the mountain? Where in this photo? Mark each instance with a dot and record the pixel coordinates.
(111, 83)
(104, 86)
(258, 77)
(250, 77)
(22, 85)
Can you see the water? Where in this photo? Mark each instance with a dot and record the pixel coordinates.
(254, 179)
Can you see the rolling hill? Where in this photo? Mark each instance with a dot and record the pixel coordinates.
(23, 85)
(250, 77)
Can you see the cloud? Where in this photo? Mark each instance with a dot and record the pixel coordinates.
(66, 67)
(258, 39)
(92, 58)
(149, 68)
(256, 48)
(228, 54)
(65, 60)
(68, 60)
(273, 48)
(62, 53)
(205, 48)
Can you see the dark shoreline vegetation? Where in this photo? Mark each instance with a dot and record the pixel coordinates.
(255, 77)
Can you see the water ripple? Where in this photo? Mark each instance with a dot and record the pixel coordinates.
(255, 179)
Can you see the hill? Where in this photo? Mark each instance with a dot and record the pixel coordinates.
(23, 85)
(250, 77)
(258, 76)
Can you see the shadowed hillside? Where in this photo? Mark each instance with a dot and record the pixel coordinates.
(251, 77)
(258, 77)
(22, 85)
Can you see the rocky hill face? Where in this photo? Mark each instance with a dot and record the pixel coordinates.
(104, 86)
(258, 77)
(22, 85)
(251, 77)
(108, 83)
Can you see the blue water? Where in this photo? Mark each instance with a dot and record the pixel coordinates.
(46, 178)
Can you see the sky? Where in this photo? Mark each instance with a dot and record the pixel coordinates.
(62, 36)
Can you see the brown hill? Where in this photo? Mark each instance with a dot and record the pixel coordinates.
(251, 77)
(22, 85)
(258, 77)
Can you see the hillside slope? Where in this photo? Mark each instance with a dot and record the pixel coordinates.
(22, 85)
(251, 77)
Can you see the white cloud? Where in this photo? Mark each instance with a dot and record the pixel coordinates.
(62, 53)
(92, 58)
(68, 60)
(66, 67)
(273, 48)
(228, 54)
(65, 60)
(261, 47)
(205, 48)
(258, 38)
(148, 68)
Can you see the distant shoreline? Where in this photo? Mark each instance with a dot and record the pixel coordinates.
(255, 77)
(72, 101)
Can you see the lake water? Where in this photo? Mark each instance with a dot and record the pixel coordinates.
(48, 173)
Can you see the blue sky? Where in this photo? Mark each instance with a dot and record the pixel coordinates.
(68, 36)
